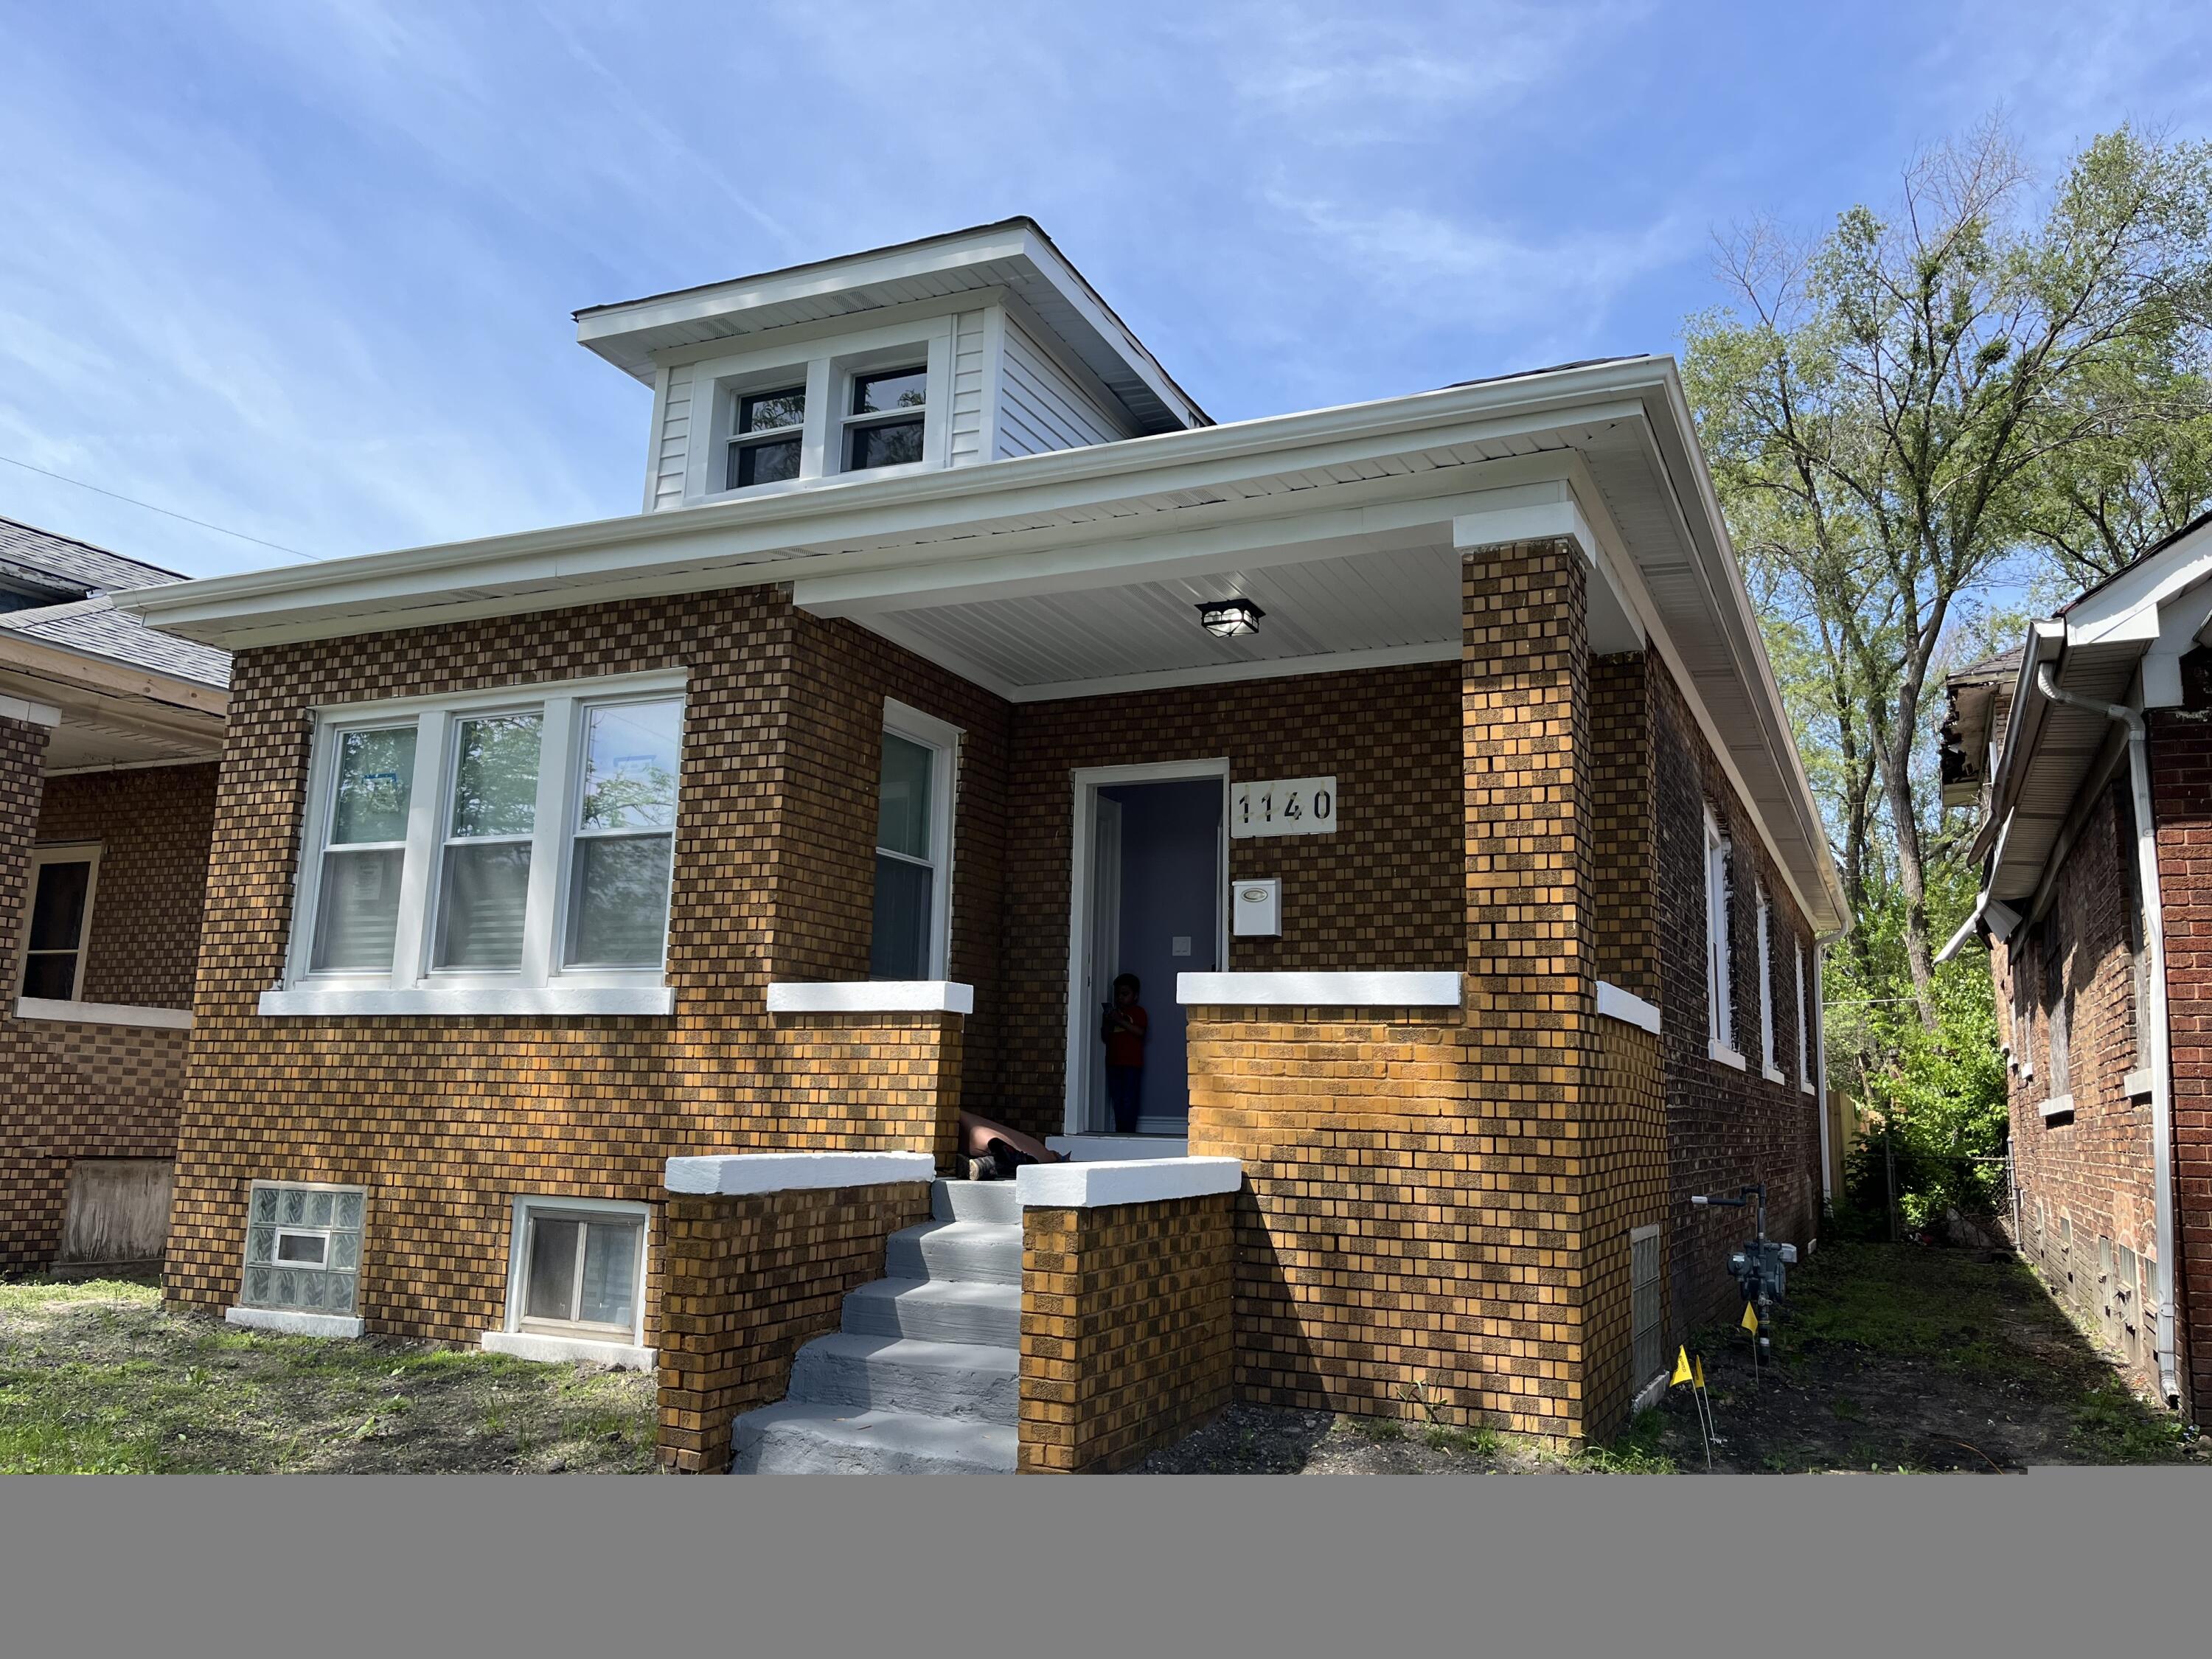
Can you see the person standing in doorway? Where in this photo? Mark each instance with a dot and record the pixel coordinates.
(1124, 1028)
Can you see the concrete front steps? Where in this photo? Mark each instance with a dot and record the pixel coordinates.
(925, 1377)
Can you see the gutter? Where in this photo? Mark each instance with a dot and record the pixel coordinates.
(2156, 1022)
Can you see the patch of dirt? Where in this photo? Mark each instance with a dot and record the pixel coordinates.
(1268, 1440)
(99, 1376)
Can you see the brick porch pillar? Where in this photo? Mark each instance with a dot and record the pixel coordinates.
(32, 1181)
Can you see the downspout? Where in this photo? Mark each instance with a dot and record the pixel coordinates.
(1821, 1078)
(2155, 1023)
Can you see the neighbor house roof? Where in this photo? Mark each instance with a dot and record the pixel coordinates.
(69, 568)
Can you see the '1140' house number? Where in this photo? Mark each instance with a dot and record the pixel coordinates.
(1287, 807)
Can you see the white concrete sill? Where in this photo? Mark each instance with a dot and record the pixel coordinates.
(2058, 1106)
(871, 996)
(1773, 1074)
(288, 1322)
(1613, 1003)
(557, 1001)
(1097, 1185)
(105, 1013)
(1726, 1055)
(2136, 1085)
(736, 1173)
(528, 1345)
(1359, 990)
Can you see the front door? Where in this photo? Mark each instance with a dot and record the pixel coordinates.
(1154, 911)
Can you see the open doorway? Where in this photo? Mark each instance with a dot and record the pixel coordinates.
(1149, 901)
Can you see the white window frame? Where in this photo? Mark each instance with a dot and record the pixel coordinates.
(827, 371)
(1720, 992)
(78, 852)
(518, 1270)
(727, 408)
(1798, 952)
(1768, 1069)
(943, 739)
(542, 985)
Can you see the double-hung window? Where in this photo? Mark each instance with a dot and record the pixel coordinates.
(505, 853)
(767, 431)
(913, 847)
(1720, 997)
(883, 427)
(62, 882)
(1798, 953)
(1773, 1073)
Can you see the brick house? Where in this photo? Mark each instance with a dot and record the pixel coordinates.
(607, 923)
(2086, 752)
(109, 738)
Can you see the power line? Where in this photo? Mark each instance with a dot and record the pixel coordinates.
(186, 518)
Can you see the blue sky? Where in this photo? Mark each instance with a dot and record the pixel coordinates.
(304, 270)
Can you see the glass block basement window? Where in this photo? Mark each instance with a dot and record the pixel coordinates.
(303, 1246)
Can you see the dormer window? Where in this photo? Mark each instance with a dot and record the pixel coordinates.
(764, 447)
(885, 425)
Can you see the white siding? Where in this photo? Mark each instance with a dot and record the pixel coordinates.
(969, 336)
(673, 445)
(1042, 407)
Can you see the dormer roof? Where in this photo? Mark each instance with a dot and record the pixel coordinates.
(1013, 255)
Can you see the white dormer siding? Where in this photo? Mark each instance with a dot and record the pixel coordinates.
(1045, 404)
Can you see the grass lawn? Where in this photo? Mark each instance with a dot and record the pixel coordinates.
(97, 1378)
(1885, 1358)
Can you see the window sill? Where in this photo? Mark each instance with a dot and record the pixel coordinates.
(1723, 1052)
(525, 1345)
(2136, 1085)
(2058, 1106)
(287, 1322)
(1773, 1074)
(1613, 1003)
(1805, 1086)
(571, 1000)
(105, 1013)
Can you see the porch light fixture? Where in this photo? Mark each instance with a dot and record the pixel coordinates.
(1228, 619)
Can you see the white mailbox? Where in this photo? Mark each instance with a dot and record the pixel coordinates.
(1255, 909)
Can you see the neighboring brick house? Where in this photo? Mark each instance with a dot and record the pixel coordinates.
(109, 738)
(1421, 756)
(2086, 752)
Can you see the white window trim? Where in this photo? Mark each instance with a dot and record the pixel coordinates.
(511, 1338)
(943, 739)
(1720, 996)
(541, 985)
(1768, 1069)
(827, 367)
(80, 852)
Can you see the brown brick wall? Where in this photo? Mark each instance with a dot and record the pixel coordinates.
(89, 1091)
(1725, 1128)
(445, 1119)
(2181, 806)
(153, 824)
(2092, 1167)
(1126, 1341)
(1383, 891)
(749, 1280)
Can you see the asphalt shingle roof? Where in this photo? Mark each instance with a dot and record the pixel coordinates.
(46, 560)
(87, 621)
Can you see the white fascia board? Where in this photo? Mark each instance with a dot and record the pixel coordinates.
(871, 996)
(549, 1000)
(1097, 1184)
(1533, 514)
(287, 1322)
(1613, 1003)
(719, 542)
(2115, 609)
(529, 1344)
(1348, 990)
(738, 1174)
(105, 1013)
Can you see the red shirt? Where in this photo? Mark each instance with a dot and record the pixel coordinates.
(1126, 1048)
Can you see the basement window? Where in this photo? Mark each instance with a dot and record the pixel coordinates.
(579, 1269)
(303, 1246)
(1646, 1308)
(62, 882)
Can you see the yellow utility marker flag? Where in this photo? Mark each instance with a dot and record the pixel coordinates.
(1701, 1371)
(1682, 1367)
(1750, 1320)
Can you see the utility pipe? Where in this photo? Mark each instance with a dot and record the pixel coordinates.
(2155, 1021)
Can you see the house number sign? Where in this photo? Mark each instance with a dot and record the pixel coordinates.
(1285, 806)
